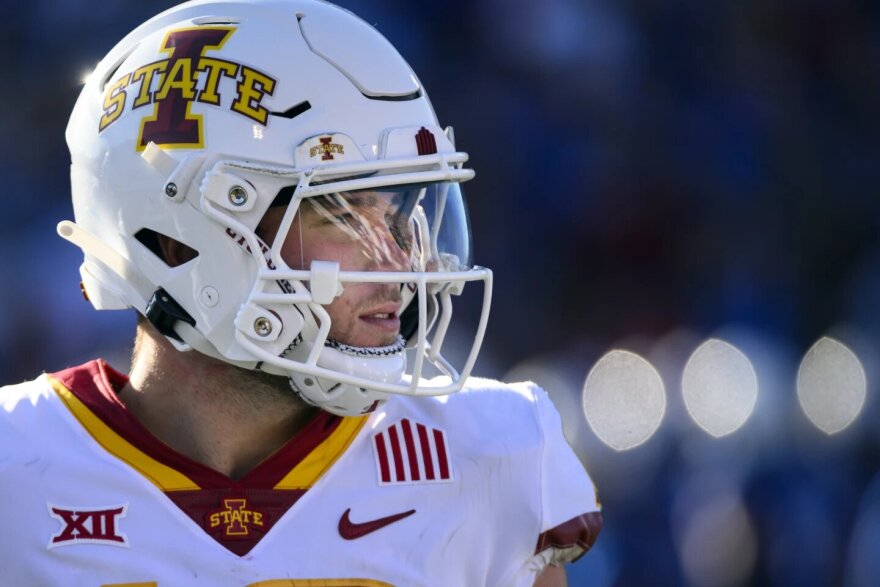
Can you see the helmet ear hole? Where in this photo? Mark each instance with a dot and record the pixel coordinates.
(173, 252)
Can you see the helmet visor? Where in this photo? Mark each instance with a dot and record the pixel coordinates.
(408, 228)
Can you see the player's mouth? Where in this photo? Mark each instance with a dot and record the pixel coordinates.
(383, 317)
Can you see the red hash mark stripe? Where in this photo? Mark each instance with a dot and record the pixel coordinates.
(408, 452)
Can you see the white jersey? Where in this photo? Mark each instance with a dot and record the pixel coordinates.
(478, 488)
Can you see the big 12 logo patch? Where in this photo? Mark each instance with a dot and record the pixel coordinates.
(88, 525)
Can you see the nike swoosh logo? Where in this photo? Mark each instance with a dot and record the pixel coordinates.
(350, 530)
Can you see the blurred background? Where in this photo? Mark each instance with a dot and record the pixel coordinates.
(650, 175)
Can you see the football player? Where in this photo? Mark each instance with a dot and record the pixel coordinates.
(266, 183)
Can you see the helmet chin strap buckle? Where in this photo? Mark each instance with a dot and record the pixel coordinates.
(164, 313)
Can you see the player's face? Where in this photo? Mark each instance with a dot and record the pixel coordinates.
(362, 231)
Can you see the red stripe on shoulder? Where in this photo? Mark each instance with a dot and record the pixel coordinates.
(383, 458)
(426, 451)
(411, 450)
(581, 531)
(398, 456)
(443, 462)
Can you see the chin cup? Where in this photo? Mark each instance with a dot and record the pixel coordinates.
(382, 364)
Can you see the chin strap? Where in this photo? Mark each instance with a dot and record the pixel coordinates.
(383, 364)
(398, 346)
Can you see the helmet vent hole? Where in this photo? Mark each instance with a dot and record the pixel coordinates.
(173, 252)
(414, 96)
(112, 71)
(294, 111)
(208, 20)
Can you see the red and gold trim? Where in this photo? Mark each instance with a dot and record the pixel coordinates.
(235, 512)
(160, 475)
(90, 393)
(322, 457)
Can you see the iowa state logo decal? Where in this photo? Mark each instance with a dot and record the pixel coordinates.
(191, 73)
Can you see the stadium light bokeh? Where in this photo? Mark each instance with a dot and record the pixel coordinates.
(624, 399)
(719, 387)
(831, 385)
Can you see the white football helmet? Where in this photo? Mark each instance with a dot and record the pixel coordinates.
(213, 113)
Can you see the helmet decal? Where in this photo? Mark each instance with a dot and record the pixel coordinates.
(172, 124)
(326, 148)
(425, 142)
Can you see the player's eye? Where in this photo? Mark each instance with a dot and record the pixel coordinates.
(337, 217)
(400, 229)
(343, 217)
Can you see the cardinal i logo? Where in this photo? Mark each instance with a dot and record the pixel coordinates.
(236, 519)
(188, 74)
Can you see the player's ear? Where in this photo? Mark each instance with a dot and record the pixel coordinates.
(173, 251)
